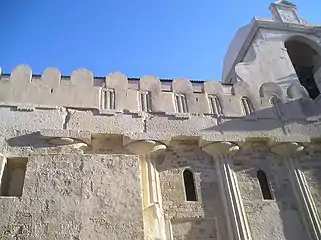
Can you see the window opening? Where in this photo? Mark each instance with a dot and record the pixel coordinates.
(215, 105)
(13, 177)
(247, 106)
(306, 62)
(265, 188)
(181, 103)
(189, 185)
(145, 101)
(108, 99)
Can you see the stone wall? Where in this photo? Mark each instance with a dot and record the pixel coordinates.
(69, 196)
(278, 218)
(204, 218)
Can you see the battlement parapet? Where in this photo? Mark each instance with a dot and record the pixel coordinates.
(116, 93)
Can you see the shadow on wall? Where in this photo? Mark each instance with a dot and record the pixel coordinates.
(301, 111)
(269, 197)
(28, 140)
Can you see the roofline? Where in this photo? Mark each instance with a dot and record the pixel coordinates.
(98, 77)
(261, 24)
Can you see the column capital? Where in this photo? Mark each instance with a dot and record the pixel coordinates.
(287, 149)
(220, 148)
(142, 147)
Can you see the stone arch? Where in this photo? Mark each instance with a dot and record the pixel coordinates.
(189, 185)
(153, 86)
(297, 91)
(270, 89)
(117, 82)
(305, 56)
(185, 87)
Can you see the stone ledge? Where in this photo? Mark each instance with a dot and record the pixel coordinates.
(84, 136)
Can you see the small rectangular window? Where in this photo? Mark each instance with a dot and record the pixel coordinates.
(108, 98)
(181, 103)
(13, 176)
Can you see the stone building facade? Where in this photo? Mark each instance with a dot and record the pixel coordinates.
(86, 157)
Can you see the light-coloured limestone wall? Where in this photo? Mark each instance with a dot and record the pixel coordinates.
(204, 218)
(278, 218)
(69, 196)
(104, 164)
(267, 59)
(311, 167)
(80, 92)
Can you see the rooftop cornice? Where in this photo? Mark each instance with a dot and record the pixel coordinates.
(258, 23)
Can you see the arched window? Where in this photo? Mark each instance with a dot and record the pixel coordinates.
(247, 106)
(189, 185)
(181, 103)
(145, 101)
(215, 105)
(265, 188)
(306, 62)
(276, 103)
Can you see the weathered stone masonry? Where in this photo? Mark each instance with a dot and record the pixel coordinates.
(86, 157)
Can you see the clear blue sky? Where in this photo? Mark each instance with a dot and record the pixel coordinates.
(167, 38)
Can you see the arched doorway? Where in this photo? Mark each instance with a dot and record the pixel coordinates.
(306, 61)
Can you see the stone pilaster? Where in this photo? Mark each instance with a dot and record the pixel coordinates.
(154, 221)
(236, 218)
(3, 161)
(308, 211)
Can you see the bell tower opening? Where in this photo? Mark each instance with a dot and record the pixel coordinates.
(306, 62)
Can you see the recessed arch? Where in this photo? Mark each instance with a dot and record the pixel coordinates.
(305, 56)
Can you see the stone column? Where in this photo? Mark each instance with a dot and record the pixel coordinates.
(236, 218)
(154, 221)
(308, 211)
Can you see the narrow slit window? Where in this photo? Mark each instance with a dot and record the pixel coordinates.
(108, 98)
(276, 103)
(215, 105)
(247, 106)
(13, 176)
(189, 185)
(181, 103)
(265, 188)
(145, 101)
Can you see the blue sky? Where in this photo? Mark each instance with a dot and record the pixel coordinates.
(168, 38)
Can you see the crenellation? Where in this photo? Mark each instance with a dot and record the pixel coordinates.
(51, 88)
(86, 157)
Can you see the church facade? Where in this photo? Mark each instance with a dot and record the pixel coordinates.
(86, 157)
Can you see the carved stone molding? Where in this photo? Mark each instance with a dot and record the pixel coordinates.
(304, 198)
(287, 149)
(221, 148)
(233, 204)
(143, 147)
(3, 161)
